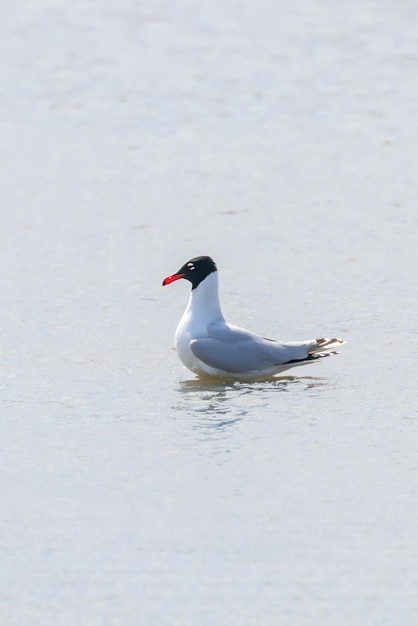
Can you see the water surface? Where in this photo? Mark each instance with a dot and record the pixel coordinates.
(280, 139)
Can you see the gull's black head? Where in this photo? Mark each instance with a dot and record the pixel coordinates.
(194, 271)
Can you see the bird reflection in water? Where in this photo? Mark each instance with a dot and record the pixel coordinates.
(218, 405)
(213, 403)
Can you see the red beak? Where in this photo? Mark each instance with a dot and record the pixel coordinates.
(172, 278)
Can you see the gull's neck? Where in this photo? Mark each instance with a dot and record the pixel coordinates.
(204, 300)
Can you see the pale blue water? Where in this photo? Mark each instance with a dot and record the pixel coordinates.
(280, 139)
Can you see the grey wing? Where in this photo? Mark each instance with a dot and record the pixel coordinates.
(234, 349)
(231, 357)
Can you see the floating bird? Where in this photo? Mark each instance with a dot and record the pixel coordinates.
(210, 347)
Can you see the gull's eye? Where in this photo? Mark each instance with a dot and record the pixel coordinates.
(190, 266)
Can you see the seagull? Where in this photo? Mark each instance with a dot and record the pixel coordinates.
(210, 347)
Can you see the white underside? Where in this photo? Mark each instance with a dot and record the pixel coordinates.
(204, 370)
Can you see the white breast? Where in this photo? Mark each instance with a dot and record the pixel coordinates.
(203, 309)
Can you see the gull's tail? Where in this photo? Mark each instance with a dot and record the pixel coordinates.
(324, 347)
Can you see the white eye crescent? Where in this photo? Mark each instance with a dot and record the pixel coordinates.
(190, 266)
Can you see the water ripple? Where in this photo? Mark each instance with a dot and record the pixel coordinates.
(237, 399)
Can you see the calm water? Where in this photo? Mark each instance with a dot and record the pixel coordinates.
(280, 138)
